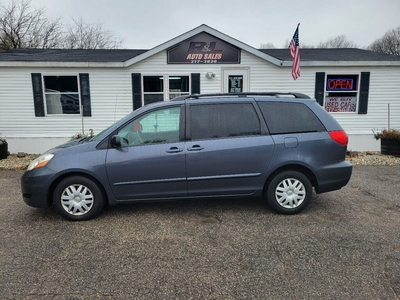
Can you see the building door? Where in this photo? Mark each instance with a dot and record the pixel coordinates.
(235, 80)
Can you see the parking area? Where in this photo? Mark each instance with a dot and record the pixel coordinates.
(345, 245)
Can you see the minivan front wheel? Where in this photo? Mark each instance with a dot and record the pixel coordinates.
(78, 198)
(289, 192)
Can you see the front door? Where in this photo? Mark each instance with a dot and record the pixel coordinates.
(151, 162)
(235, 80)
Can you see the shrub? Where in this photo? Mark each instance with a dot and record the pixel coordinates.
(77, 136)
(2, 140)
(390, 134)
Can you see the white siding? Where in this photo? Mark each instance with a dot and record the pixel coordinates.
(111, 98)
(157, 65)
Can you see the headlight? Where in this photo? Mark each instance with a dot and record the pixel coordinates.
(41, 161)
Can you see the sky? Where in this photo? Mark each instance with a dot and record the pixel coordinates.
(144, 24)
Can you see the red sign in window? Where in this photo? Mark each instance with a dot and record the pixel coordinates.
(339, 84)
(341, 104)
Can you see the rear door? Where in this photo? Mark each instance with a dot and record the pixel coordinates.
(228, 148)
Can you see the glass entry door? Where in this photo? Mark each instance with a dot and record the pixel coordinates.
(235, 80)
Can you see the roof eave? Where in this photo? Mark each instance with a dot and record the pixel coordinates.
(288, 63)
(196, 31)
(55, 64)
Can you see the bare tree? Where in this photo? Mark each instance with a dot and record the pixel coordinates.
(22, 26)
(82, 35)
(302, 45)
(267, 46)
(339, 41)
(389, 43)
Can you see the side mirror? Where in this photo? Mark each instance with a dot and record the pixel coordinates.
(115, 141)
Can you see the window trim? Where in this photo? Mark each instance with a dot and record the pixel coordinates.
(166, 91)
(152, 93)
(357, 91)
(78, 92)
(239, 70)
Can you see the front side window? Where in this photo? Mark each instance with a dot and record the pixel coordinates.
(226, 120)
(159, 126)
(341, 93)
(61, 94)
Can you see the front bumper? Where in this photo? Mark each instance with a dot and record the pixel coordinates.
(35, 186)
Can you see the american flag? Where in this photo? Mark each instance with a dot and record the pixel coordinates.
(295, 54)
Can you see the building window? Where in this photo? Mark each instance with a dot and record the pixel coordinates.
(178, 86)
(153, 89)
(341, 93)
(164, 87)
(235, 83)
(61, 95)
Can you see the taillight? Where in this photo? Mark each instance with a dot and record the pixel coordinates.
(339, 137)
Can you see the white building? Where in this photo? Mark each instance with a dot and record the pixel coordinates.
(48, 95)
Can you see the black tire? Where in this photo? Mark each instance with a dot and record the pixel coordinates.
(289, 192)
(78, 198)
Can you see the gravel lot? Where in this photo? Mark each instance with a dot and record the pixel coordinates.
(372, 159)
(345, 245)
(13, 162)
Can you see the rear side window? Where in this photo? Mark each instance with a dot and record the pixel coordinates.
(211, 121)
(289, 117)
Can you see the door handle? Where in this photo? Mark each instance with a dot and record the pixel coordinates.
(174, 150)
(195, 148)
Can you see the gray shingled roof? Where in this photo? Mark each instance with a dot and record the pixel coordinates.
(70, 55)
(332, 54)
(122, 55)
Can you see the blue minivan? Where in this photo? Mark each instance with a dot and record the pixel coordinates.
(273, 145)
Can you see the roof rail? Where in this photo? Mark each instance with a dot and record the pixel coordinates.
(269, 94)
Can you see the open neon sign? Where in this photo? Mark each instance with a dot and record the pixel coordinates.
(340, 84)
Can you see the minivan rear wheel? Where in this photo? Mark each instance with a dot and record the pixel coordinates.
(78, 198)
(289, 192)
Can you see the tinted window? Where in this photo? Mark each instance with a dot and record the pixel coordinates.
(289, 117)
(223, 120)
